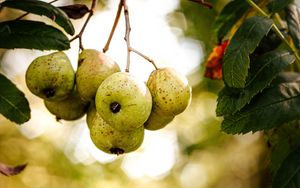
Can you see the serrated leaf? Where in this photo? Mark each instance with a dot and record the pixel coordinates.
(288, 175)
(243, 43)
(44, 9)
(278, 5)
(13, 104)
(262, 71)
(273, 107)
(229, 15)
(293, 22)
(31, 35)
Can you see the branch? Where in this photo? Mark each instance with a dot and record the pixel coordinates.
(203, 3)
(114, 27)
(79, 35)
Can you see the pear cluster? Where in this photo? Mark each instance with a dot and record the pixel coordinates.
(118, 106)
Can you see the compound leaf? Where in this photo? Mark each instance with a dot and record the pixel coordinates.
(273, 107)
(243, 43)
(262, 71)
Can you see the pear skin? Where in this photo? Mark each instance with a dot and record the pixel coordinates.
(123, 101)
(51, 77)
(110, 140)
(170, 91)
(93, 68)
(71, 108)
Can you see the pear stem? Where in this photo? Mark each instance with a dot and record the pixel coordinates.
(22, 16)
(79, 35)
(127, 35)
(114, 27)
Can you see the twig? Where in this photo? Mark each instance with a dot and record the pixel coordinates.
(79, 35)
(144, 56)
(22, 16)
(275, 28)
(203, 3)
(127, 33)
(114, 27)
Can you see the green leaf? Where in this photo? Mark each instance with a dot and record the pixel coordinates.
(288, 175)
(243, 43)
(31, 35)
(273, 107)
(293, 22)
(44, 9)
(262, 71)
(229, 15)
(278, 5)
(282, 141)
(13, 104)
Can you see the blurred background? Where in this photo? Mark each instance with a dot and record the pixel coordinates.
(191, 152)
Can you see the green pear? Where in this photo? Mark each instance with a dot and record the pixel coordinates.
(123, 101)
(170, 91)
(71, 108)
(157, 120)
(93, 68)
(110, 140)
(51, 77)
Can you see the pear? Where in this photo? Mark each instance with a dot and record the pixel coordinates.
(123, 101)
(170, 91)
(71, 108)
(93, 68)
(51, 77)
(110, 140)
(157, 120)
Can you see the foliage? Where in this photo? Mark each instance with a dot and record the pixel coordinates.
(257, 95)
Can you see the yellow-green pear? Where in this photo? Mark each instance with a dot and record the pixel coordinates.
(51, 77)
(123, 101)
(71, 108)
(93, 68)
(157, 120)
(110, 140)
(170, 91)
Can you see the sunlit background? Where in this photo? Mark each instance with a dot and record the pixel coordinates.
(190, 152)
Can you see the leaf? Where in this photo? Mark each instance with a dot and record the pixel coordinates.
(10, 171)
(42, 8)
(229, 15)
(288, 175)
(282, 141)
(75, 11)
(262, 72)
(13, 104)
(278, 5)
(293, 22)
(273, 107)
(31, 35)
(243, 43)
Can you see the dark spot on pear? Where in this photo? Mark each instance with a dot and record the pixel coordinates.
(115, 107)
(49, 92)
(116, 151)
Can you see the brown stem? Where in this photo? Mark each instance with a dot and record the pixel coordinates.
(144, 56)
(127, 33)
(203, 3)
(22, 16)
(114, 27)
(79, 35)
